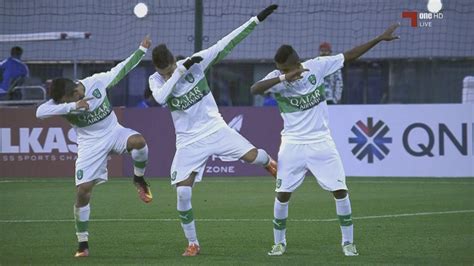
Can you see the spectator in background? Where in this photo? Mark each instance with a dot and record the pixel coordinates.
(269, 100)
(148, 100)
(332, 83)
(12, 69)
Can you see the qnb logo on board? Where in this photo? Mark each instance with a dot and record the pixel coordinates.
(370, 140)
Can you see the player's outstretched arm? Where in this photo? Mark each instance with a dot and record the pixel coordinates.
(113, 76)
(358, 51)
(263, 85)
(49, 108)
(223, 47)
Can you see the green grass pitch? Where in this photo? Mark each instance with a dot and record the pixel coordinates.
(397, 221)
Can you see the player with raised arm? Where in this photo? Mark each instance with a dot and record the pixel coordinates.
(306, 140)
(86, 106)
(200, 130)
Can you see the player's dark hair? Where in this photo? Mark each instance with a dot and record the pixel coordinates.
(16, 52)
(61, 87)
(162, 56)
(286, 54)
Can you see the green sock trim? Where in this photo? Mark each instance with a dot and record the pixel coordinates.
(186, 216)
(345, 220)
(140, 164)
(81, 226)
(279, 224)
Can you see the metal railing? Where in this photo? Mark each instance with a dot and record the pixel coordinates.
(28, 95)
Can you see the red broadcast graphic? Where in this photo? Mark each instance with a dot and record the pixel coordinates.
(425, 19)
(413, 16)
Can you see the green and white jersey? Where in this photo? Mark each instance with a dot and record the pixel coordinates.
(187, 93)
(100, 119)
(302, 103)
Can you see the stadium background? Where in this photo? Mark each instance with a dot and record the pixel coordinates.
(413, 87)
(426, 66)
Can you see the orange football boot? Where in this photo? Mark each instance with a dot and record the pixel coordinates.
(144, 191)
(192, 250)
(84, 253)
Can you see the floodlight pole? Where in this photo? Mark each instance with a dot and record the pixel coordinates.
(74, 61)
(198, 14)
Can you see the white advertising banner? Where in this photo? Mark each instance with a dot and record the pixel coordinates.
(428, 140)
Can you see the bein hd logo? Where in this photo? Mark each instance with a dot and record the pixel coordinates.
(370, 140)
(426, 19)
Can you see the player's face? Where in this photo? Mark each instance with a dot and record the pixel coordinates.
(288, 67)
(167, 72)
(74, 97)
(324, 52)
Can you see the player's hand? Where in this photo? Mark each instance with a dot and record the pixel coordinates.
(83, 104)
(388, 34)
(295, 74)
(191, 61)
(146, 42)
(266, 12)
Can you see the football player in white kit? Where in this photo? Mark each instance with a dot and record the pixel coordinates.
(306, 142)
(200, 130)
(87, 108)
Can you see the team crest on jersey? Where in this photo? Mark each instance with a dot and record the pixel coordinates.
(173, 176)
(97, 93)
(312, 79)
(79, 174)
(278, 183)
(189, 78)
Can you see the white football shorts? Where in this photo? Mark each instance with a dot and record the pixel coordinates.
(91, 163)
(321, 158)
(225, 143)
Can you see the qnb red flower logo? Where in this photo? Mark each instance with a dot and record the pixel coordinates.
(370, 140)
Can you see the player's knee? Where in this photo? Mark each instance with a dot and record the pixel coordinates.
(136, 142)
(83, 195)
(283, 196)
(187, 182)
(340, 194)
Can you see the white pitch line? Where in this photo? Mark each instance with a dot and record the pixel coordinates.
(404, 181)
(242, 219)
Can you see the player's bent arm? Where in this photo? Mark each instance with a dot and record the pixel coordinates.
(161, 94)
(261, 86)
(49, 109)
(223, 47)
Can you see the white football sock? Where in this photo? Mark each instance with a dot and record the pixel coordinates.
(81, 216)
(186, 213)
(344, 212)
(280, 211)
(140, 158)
(262, 158)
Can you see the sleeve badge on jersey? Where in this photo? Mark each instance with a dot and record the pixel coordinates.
(189, 78)
(97, 93)
(312, 79)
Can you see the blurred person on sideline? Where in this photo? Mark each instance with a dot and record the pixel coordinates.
(333, 83)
